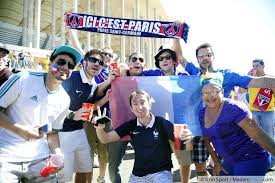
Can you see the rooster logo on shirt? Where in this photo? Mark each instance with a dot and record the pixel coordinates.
(156, 134)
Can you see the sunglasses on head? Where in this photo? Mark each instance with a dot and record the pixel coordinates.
(62, 62)
(94, 60)
(167, 57)
(134, 59)
(109, 54)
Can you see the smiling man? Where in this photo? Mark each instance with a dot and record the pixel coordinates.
(81, 89)
(167, 63)
(150, 139)
(31, 100)
(117, 149)
(136, 64)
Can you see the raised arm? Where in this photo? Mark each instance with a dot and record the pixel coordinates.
(75, 42)
(101, 134)
(250, 126)
(177, 48)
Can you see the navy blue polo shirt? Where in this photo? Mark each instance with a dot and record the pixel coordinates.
(79, 93)
(151, 153)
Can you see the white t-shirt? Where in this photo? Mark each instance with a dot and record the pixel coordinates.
(28, 103)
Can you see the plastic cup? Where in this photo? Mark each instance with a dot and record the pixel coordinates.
(54, 163)
(88, 106)
(115, 68)
(179, 144)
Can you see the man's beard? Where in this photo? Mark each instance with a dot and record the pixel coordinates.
(209, 67)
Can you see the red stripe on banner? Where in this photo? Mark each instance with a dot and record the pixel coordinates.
(119, 103)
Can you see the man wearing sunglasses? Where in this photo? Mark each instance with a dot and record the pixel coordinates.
(106, 68)
(81, 88)
(136, 64)
(31, 100)
(108, 54)
(166, 62)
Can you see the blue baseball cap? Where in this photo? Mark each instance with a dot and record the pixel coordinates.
(67, 49)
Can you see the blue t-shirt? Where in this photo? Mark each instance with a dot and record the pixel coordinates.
(151, 153)
(231, 79)
(153, 72)
(158, 72)
(229, 140)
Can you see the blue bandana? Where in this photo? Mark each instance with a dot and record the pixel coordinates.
(212, 78)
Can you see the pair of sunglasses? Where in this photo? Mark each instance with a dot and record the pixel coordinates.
(134, 59)
(109, 54)
(167, 57)
(94, 60)
(62, 62)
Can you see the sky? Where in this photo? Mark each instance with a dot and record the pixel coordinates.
(238, 30)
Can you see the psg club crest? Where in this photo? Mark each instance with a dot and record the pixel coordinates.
(171, 30)
(74, 20)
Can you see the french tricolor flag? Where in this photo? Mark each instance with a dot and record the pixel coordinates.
(176, 98)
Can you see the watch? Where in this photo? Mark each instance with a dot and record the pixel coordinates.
(71, 115)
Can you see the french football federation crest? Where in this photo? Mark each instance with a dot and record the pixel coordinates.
(171, 29)
(74, 20)
(155, 133)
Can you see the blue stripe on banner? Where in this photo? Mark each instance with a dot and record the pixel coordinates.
(187, 102)
(127, 27)
(7, 85)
